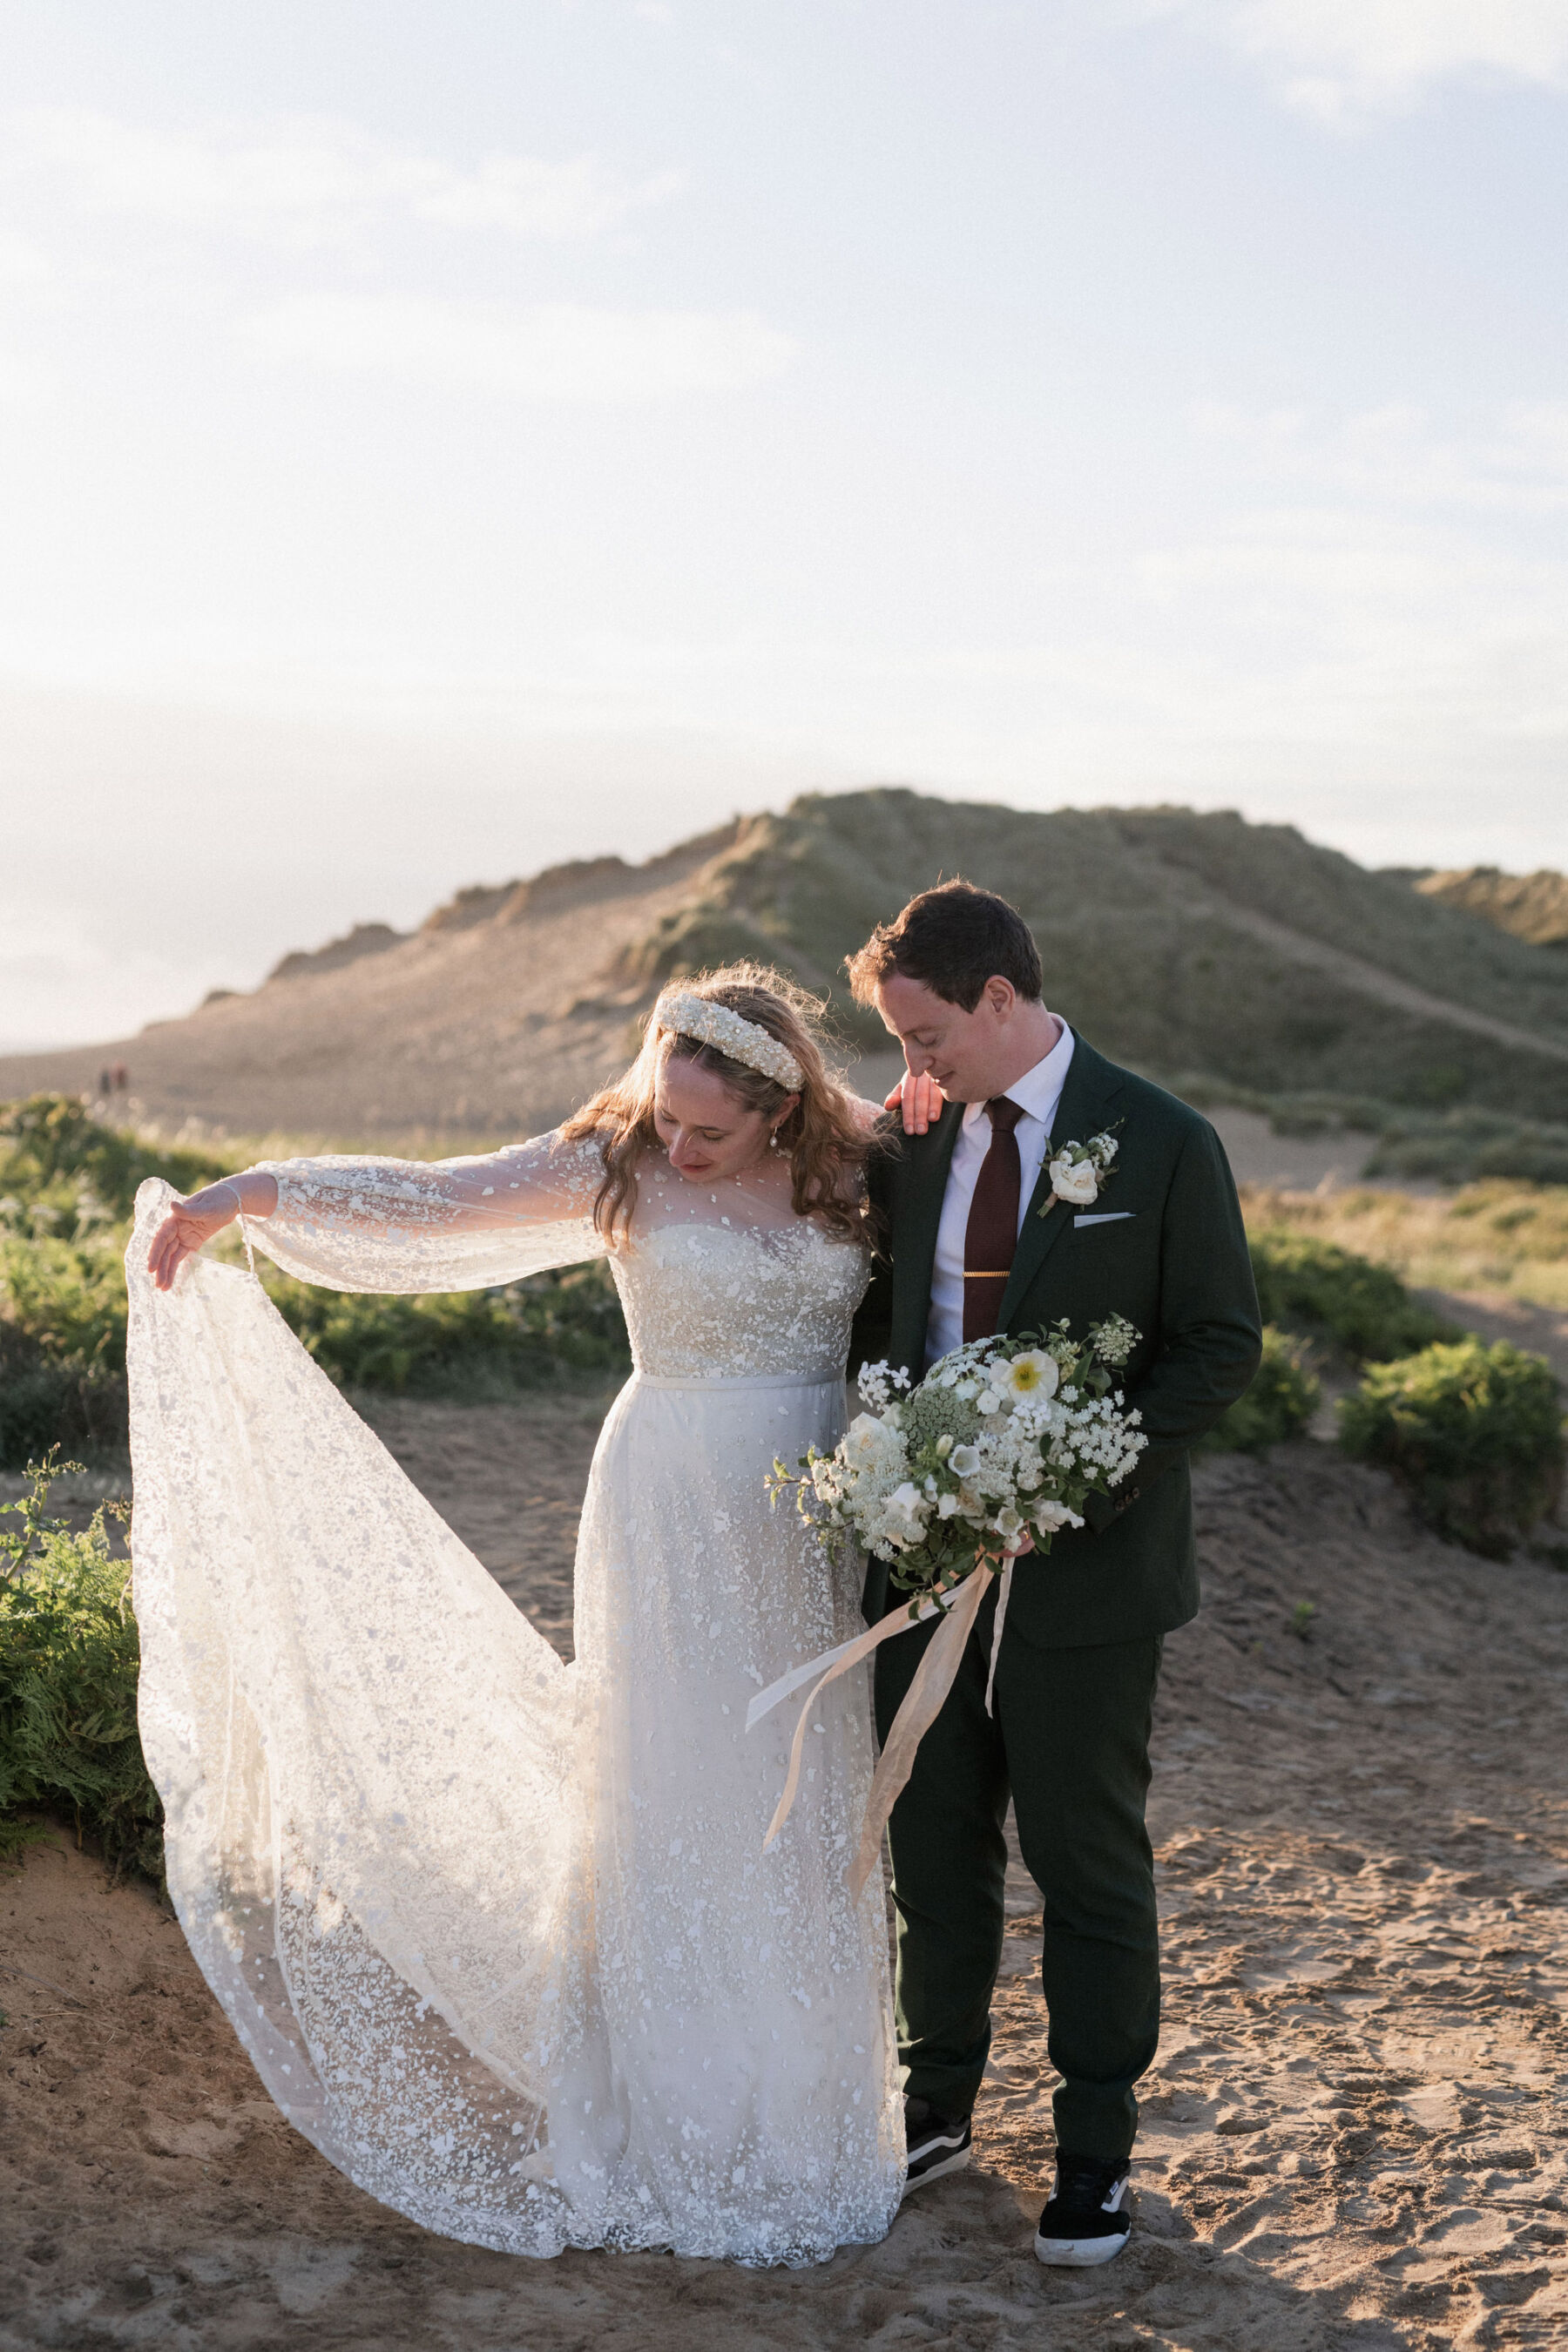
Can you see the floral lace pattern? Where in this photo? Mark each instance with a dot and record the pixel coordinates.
(498, 1932)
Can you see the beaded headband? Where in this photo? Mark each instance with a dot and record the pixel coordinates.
(733, 1034)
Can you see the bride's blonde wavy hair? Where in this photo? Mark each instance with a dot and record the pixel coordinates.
(826, 1143)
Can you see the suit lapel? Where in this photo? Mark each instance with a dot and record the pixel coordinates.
(1092, 1084)
(918, 1215)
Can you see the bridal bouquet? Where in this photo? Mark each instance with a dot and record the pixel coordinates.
(991, 1453)
(949, 1482)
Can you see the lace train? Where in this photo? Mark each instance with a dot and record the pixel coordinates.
(498, 1932)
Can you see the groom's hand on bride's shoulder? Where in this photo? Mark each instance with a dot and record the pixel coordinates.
(921, 1100)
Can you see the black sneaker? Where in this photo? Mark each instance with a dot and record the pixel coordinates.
(1084, 2222)
(937, 2143)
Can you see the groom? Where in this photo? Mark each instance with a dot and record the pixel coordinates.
(979, 1244)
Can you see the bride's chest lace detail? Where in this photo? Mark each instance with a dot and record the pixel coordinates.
(711, 1296)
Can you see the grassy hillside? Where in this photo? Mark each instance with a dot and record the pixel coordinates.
(1211, 953)
(1188, 945)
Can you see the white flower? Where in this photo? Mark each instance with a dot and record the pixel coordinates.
(1032, 1374)
(868, 1443)
(988, 1401)
(907, 1501)
(963, 1461)
(947, 1508)
(1049, 1515)
(1077, 1180)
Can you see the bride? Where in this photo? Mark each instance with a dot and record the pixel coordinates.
(498, 1932)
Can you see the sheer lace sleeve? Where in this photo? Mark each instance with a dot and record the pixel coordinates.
(446, 1225)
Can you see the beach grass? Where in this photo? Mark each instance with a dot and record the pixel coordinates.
(1491, 1237)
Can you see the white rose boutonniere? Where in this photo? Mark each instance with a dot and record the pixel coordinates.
(1079, 1173)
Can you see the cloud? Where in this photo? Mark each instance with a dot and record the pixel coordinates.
(1395, 456)
(1337, 59)
(528, 198)
(23, 383)
(552, 351)
(22, 262)
(308, 181)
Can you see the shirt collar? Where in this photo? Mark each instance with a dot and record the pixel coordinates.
(1039, 1090)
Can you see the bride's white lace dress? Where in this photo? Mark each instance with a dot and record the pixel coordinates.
(497, 1931)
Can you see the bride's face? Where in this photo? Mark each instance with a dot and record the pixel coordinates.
(708, 1131)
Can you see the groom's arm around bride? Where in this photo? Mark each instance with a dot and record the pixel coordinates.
(978, 1240)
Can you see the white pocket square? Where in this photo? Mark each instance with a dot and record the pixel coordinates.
(1107, 1217)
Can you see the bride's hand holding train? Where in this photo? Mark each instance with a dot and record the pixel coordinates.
(193, 1222)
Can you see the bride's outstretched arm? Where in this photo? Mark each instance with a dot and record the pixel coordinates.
(363, 1223)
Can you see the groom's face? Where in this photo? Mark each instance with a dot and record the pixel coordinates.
(970, 1055)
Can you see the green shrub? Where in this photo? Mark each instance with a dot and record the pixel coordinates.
(49, 1399)
(1317, 1286)
(1541, 1158)
(63, 1174)
(1284, 1395)
(1325, 1114)
(68, 1296)
(1466, 1151)
(1475, 1433)
(62, 1347)
(69, 1661)
(67, 1186)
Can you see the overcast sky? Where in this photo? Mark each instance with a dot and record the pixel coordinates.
(439, 441)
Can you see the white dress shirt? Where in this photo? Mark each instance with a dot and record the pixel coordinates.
(1036, 1093)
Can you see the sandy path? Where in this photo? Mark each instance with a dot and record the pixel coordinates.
(1354, 2136)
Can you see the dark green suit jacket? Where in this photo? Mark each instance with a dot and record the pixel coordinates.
(1175, 1264)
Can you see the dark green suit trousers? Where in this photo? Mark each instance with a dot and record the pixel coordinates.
(1070, 1737)
(1076, 1679)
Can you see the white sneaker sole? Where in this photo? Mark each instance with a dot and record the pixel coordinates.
(953, 2163)
(1079, 2253)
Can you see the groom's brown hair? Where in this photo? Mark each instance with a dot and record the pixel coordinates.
(953, 939)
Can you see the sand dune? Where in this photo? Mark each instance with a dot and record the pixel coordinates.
(496, 1017)
(1354, 2136)
(1179, 943)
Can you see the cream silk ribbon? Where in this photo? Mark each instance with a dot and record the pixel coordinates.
(922, 1701)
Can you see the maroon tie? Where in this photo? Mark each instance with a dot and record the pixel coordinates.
(992, 1233)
